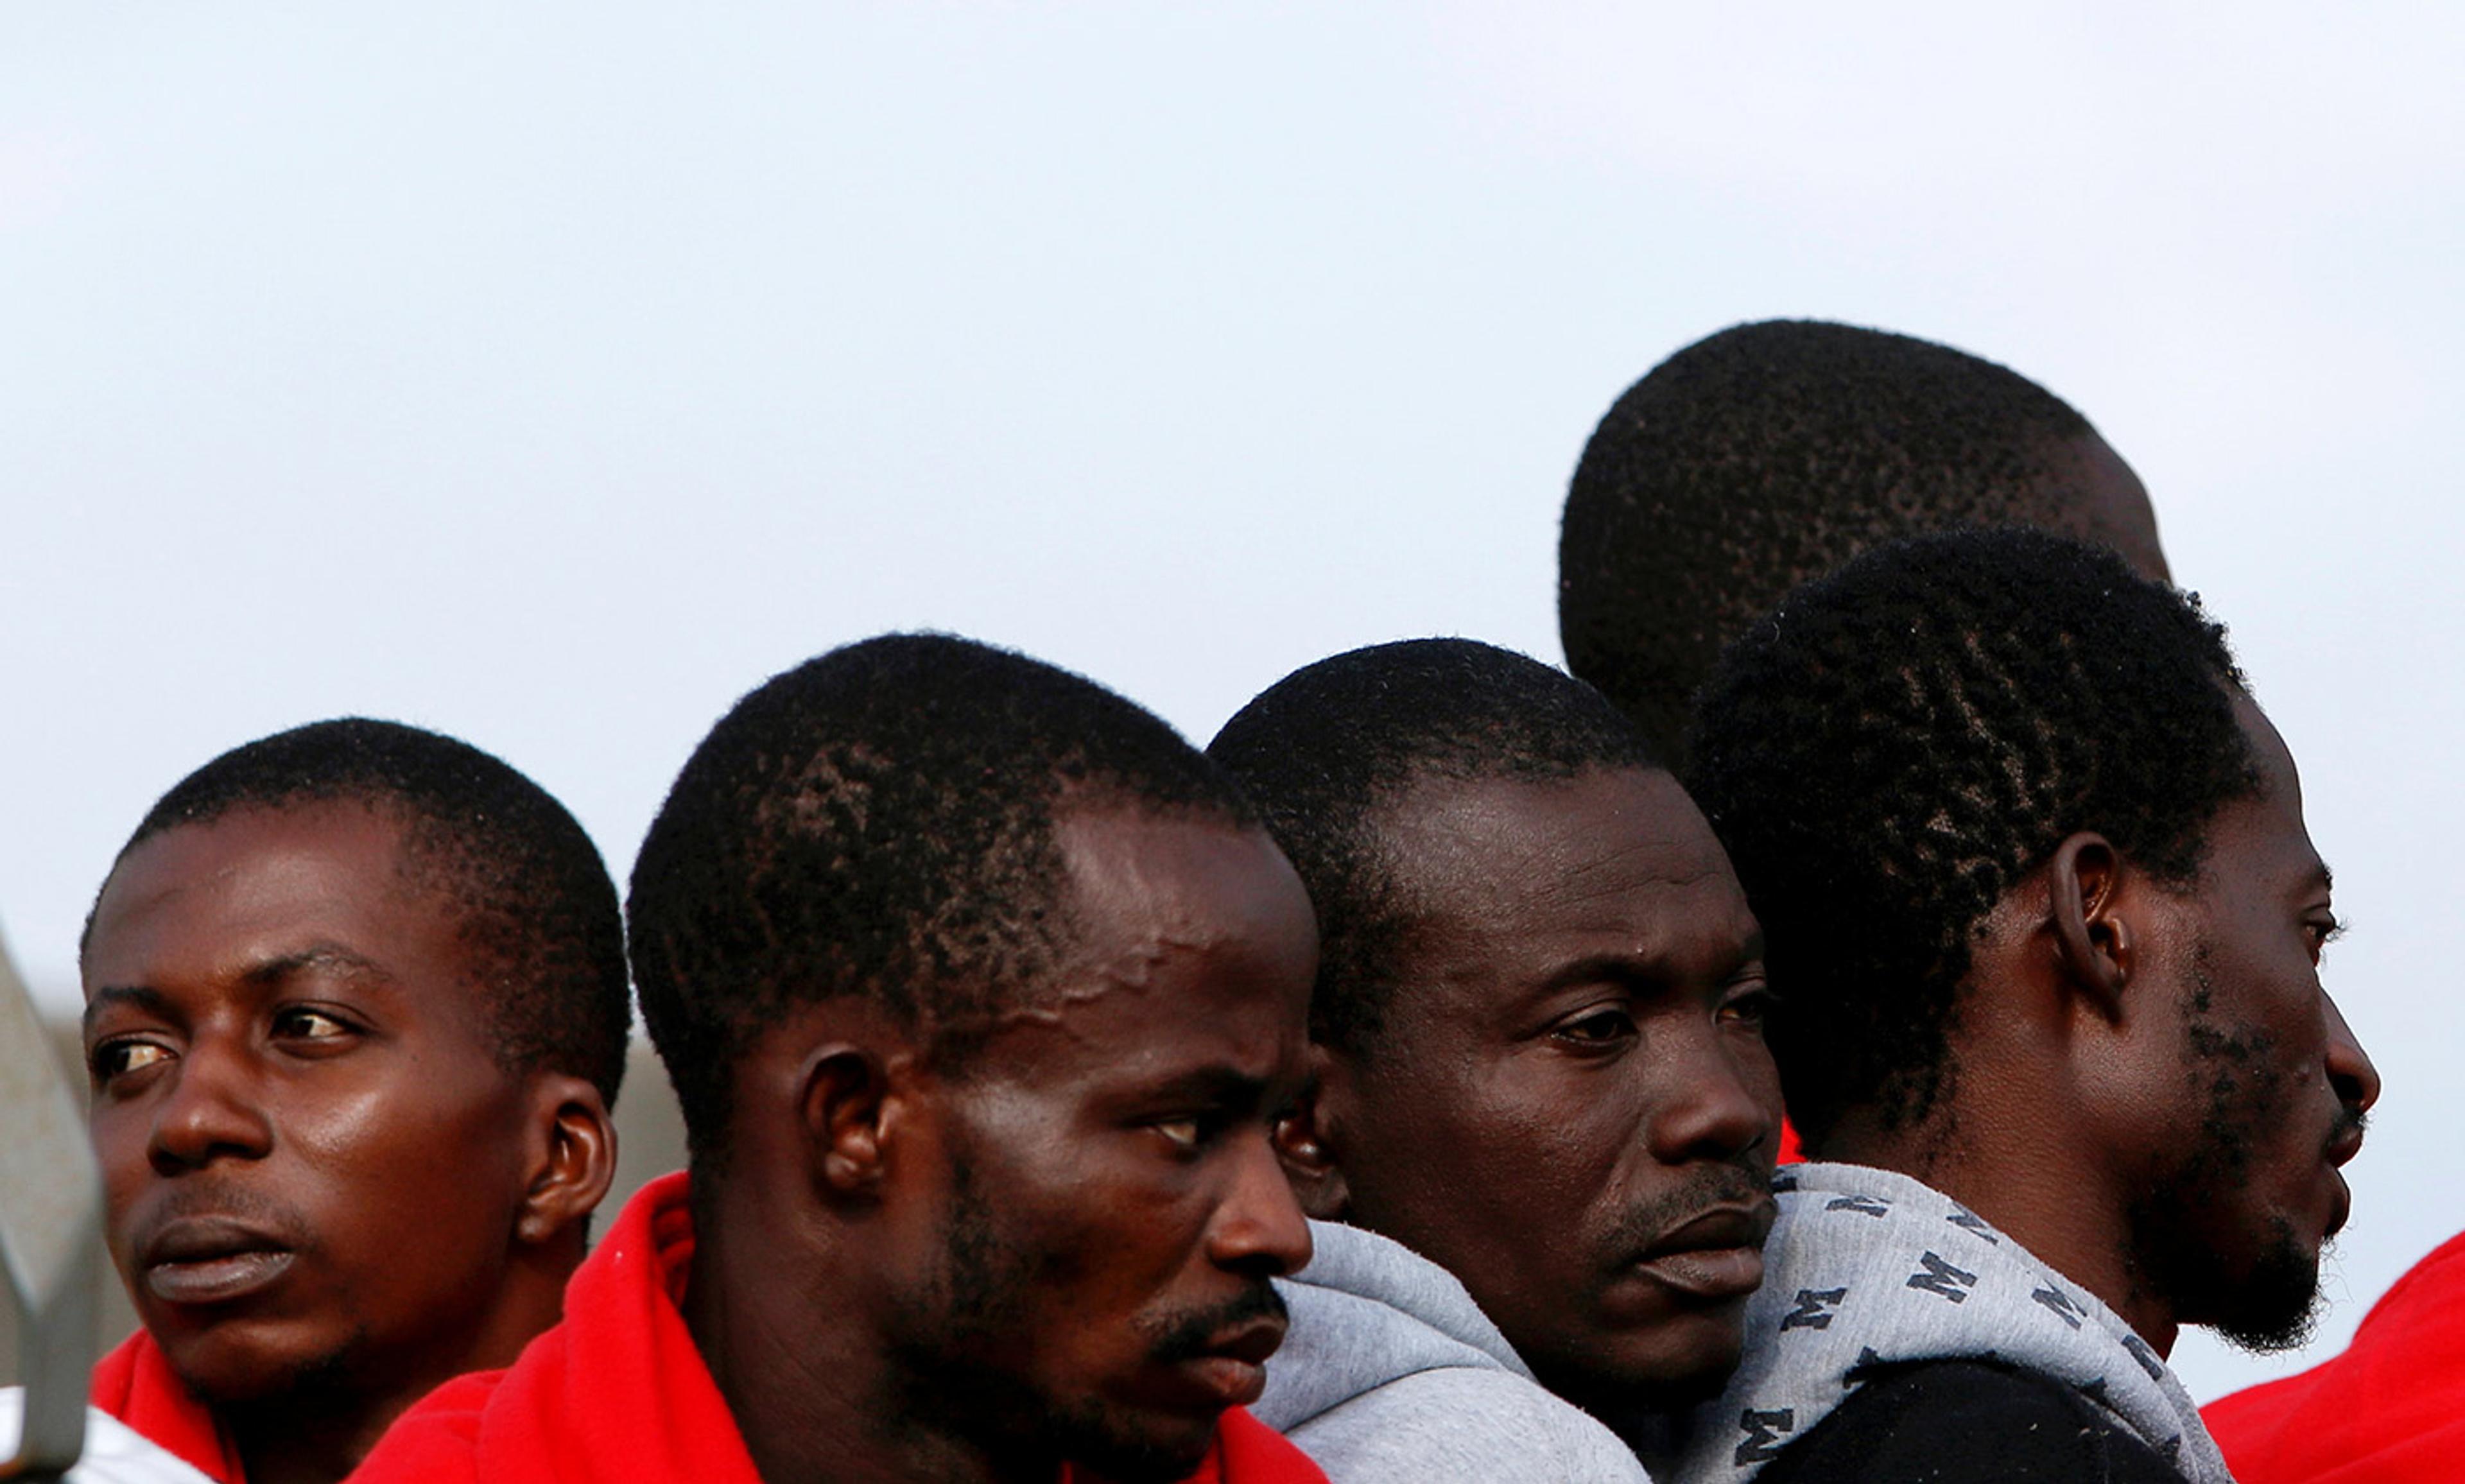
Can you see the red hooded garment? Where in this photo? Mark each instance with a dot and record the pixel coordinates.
(617, 1393)
(135, 1385)
(2389, 1411)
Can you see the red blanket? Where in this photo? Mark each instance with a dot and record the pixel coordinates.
(2389, 1411)
(617, 1392)
(135, 1385)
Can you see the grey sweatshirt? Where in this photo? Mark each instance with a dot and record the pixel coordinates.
(1392, 1373)
(1866, 1267)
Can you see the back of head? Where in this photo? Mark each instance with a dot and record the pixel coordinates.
(879, 823)
(1323, 752)
(1890, 751)
(1769, 454)
(538, 912)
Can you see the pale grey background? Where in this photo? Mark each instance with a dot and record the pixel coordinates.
(550, 374)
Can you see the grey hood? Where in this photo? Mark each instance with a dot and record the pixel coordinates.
(1866, 1267)
(1390, 1372)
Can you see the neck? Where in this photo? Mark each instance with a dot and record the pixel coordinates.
(318, 1433)
(803, 1365)
(2035, 1186)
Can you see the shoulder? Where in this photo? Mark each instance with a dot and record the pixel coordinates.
(1968, 1420)
(1464, 1423)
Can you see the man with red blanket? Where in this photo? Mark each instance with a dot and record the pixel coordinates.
(982, 991)
(355, 1014)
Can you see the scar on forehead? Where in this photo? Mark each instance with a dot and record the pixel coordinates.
(1077, 983)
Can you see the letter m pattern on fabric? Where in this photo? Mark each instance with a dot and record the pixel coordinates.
(1868, 1268)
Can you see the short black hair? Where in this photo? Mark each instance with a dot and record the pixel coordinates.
(1769, 454)
(878, 822)
(1325, 751)
(539, 916)
(1902, 741)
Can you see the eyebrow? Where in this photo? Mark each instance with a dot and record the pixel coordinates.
(110, 995)
(1637, 968)
(271, 971)
(1215, 1087)
(326, 956)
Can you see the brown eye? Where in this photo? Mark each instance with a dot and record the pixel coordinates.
(1752, 1008)
(1600, 1028)
(301, 1024)
(119, 1059)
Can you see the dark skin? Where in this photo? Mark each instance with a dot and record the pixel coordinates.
(2102, 500)
(1575, 1049)
(2113, 1025)
(1059, 1248)
(292, 1070)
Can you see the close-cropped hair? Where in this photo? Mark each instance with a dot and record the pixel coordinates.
(880, 823)
(1764, 456)
(1329, 751)
(538, 918)
(1897, 744)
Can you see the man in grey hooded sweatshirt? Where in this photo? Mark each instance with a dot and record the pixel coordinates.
(2048, 925)
(1545, 1119)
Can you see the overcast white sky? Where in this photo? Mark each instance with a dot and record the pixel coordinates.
(550, 375)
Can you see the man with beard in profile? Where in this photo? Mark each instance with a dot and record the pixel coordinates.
(2046, 925)
(981, 990)
(1544, 1116)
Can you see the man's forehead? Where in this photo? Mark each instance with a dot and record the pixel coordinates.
(258, 891)
(2267, 829)
(1606, 830)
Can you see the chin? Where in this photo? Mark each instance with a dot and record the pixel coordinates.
(1678, 1363)
(1153, 1450)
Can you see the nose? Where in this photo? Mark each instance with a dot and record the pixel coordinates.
(211, 1111)
(2350, 1071)
(1717, 1104)
(1260, 1230)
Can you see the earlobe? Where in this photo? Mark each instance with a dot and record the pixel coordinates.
(1306, 1141)
(842, 1101)
(577, 1161)
(2094, 940)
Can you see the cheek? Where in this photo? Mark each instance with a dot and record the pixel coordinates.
(442, 1158)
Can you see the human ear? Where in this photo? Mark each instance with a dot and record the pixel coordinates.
(841, 1098)
(573, 1166)
(1306, 1140)
(2094, 944)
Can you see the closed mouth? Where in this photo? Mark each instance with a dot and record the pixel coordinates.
(1717, 1254)
(1231, 1369)
(211, 1259)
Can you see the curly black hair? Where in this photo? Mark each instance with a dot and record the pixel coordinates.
(1325, 753)
(878, 822)
(539, 916)
(1768, 455)
(1897, 744)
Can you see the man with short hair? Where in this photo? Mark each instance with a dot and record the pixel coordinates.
(356, 1012)
(2046, 924)
(1768, 455)
(1545, 1117)
(981, 991)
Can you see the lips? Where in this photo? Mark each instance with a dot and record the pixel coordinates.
(209, 1259)
(1231, 1369)
(2341, 1147)
(1715, 1256)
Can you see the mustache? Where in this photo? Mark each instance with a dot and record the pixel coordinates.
(1187, 1336)
(225, 1198)
(1718, 1185)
